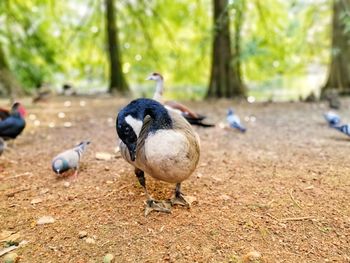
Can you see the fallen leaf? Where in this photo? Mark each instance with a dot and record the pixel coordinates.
(108, 258)
(11, 258)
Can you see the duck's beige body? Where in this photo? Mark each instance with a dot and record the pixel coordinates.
(170, 155)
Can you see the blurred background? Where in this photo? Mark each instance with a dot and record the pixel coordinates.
(261, 49)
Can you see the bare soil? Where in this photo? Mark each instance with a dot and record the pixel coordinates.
(281, 190)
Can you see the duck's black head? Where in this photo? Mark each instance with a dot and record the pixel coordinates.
(130, 120)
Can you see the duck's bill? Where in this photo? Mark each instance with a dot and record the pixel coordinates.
(132, 151)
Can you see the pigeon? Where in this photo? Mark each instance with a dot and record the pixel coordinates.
(234, 121)
(343, 128)
(12, 122)
(332, 118)
(69, 159)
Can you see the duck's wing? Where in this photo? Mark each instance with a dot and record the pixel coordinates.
(140, 149)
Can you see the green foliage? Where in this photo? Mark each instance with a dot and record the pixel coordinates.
(64, 41)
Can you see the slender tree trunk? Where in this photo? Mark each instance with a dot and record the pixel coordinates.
(117, 79)
(225, 77)
(7, 79)
(339, 69)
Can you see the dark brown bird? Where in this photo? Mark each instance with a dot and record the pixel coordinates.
(192, 117)
(12, 122)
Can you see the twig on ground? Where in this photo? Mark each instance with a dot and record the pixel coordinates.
(297, 218)
(121, 188)
(293, 199)
(290, 218)
(9, 249)
(19, 175)
(275, 218)
(228, 230)
(12, 194)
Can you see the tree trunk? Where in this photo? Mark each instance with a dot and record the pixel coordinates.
(225, 77)
(8, 82)
(117, 80)
(339, 69)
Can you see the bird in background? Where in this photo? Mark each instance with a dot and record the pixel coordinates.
(332, 118)
(159, 142)
(69, 159)
(343, 128)
(192, 117)
(234, 121)
(12, 122)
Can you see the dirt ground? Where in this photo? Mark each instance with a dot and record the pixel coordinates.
(279, 193)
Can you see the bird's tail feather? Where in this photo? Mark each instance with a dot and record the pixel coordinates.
(199, 122)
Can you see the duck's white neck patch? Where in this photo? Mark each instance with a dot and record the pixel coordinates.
(135, 124)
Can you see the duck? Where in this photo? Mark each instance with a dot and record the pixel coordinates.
(161, 143)
(69, 159)
(12, 122)
(192, 117)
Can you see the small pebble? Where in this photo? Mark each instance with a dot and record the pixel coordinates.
(11, 258)
(108, 258)
(103, 156)
(36, 201)
(67, 103)
(252, 256)
(37, 123)
(66, 184)
(61, 115)
(199, 175)
(82, 234)
(67, 124)
(44, 191)
(32, 117)
(45, 220)
(51, 125)
(90, 240)
(225, 197)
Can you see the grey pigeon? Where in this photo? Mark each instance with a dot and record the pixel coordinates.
(343, 128)
(69, 159)
(234, 121)
(2, 146)
(332, 118)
